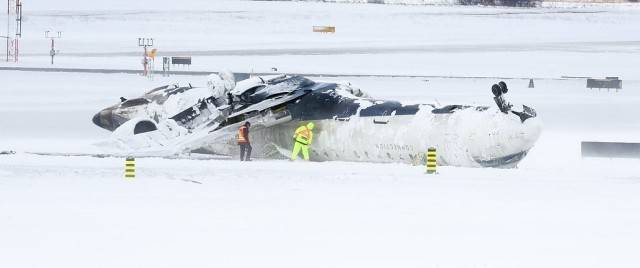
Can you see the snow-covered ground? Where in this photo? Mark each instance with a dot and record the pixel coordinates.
(555, 210)
(79, 212)
(384, 39)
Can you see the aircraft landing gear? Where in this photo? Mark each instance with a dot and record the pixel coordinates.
(498, 91)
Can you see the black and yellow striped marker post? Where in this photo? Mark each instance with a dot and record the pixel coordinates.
(431, 160)
(130, 168)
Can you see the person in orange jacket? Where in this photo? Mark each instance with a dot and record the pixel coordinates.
(243, 141)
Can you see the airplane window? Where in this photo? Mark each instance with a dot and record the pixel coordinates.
(381, 109)
(407, 110)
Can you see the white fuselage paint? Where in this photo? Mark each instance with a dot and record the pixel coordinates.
(467, 136)
(462, 138)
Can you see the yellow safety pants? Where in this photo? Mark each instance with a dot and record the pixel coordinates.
(296, 150)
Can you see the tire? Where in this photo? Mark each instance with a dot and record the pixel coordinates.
(497, 91)
(503, 87)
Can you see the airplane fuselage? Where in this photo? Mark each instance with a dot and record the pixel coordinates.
(348, 128)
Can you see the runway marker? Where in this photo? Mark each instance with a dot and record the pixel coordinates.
(130, 168)
(431, 160)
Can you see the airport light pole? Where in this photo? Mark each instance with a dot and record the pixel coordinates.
(53, 51)
(8, 27)
(145, 43)
(18, 29)
(13, 44)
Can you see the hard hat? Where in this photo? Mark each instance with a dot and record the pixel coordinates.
(310, 125)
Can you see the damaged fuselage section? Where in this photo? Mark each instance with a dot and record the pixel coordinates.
(350, 126)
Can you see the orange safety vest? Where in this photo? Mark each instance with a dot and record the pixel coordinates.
(241, 135)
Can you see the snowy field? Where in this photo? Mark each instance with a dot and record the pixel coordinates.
(555, 210)
(369, 39)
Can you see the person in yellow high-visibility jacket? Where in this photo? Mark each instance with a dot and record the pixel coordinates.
(302, 137)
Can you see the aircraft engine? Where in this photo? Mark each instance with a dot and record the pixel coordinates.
(221, 83)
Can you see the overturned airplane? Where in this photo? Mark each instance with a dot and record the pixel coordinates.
(350, 126)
